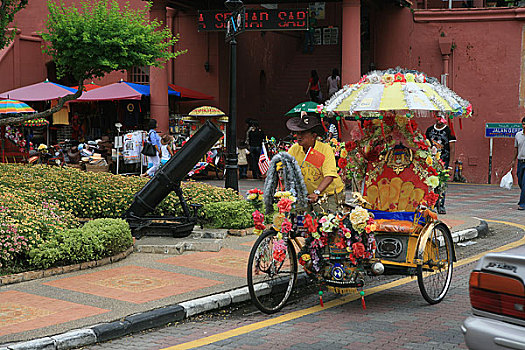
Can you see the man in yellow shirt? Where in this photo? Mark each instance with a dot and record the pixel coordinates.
(317, 162)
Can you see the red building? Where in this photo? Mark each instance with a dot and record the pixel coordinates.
(479, 49)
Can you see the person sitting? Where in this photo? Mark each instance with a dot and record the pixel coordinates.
(317, 162)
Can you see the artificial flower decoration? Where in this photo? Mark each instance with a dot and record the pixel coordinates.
(359, 217)
(432, 181)
(279, 250)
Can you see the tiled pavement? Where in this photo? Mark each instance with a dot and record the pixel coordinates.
(145, 281)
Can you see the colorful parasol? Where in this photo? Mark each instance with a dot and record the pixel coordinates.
(397, 90)
(207, 111)
(308, 107)
(36, 122)
(13, 106)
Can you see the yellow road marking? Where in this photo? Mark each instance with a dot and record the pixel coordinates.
(333, 303)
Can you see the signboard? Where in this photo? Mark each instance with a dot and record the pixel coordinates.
(502, 130)
(256, 19)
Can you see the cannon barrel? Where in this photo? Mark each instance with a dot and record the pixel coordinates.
(168, 177)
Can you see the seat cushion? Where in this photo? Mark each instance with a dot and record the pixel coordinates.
(400, 226)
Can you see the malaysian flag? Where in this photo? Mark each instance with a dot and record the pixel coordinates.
(264, 162)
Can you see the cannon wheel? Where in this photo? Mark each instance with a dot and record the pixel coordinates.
(271, 282)
(435, 274)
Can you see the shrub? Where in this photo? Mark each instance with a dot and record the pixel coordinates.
(95, 240)
(236, 214)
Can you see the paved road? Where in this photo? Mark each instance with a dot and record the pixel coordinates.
(397, 317)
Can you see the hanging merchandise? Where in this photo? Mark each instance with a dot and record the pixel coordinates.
(132, 147)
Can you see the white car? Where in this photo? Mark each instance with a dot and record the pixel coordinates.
(497, 296)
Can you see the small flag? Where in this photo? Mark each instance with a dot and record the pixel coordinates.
(315, 158)
(264, 162)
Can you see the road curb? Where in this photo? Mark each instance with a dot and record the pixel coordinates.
(165, 315)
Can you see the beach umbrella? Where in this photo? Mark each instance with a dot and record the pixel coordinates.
(308, 107)
(14, 107)
(43, 91)
(397, 90)
(207, 111)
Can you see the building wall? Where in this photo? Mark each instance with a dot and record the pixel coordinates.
(485, 68)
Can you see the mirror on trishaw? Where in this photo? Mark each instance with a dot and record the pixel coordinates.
(388, 226)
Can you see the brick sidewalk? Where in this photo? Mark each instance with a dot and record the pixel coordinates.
(143, 282)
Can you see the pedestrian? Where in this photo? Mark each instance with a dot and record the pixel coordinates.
(242, 159)
(332, 130)
(333, 83)
(317, 162)
(314, 87)
(442, 138)
(166, 148)
(255, 137)
(519, 153)
(154, 139)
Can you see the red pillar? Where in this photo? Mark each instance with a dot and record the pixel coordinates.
(159, 107)
(351, 42)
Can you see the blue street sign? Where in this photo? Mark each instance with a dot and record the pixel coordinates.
(502, 130)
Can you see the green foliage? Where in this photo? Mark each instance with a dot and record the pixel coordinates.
(95, 240)
(8, 9)
(236, 214)
(100, 37)
(98, 195)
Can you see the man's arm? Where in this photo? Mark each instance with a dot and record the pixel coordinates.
(327, 180)
(452, 146)
(514, 157)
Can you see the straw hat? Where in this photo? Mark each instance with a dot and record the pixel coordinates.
(166, 138)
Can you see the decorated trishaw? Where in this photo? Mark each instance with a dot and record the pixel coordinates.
(388, 226)
(214, 160)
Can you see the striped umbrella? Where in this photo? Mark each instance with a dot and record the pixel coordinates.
(13, 107)
(397, 90)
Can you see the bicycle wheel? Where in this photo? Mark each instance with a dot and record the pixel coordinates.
(271, 282)
(434, 276)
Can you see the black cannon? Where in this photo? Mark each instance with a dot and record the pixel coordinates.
(168, 179)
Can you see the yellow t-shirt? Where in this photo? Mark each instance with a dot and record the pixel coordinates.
(312, 174)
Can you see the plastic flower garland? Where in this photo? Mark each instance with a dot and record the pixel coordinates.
(348, 235)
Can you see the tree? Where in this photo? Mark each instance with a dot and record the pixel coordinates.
(8, 9)
(98, 38)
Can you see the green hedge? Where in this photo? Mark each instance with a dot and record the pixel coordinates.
(95, 240)
(236, 214)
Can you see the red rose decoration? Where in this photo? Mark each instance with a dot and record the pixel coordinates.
(389, 119)
(350, 145)
(284, 205)
(342, 162)
(359, 249)
(279, 255)
(310, 223)
(400, 78)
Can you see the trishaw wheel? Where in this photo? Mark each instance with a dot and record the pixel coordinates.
(271, 281)
(435, 274)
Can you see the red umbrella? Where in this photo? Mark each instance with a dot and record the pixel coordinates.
(188, 94)
(88, 87)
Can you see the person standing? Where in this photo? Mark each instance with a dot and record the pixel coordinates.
(317, 162)
(314, 87)
(310, 33)
(154, 139)
(519, 153)
(242, 156)
(333, 83)
(166, 148)
(255, 139)
(441, 137)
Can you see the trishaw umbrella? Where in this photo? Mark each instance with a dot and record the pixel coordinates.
(308, 107)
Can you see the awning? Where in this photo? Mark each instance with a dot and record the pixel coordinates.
(43, 91)
(120, 91)
(189, 94)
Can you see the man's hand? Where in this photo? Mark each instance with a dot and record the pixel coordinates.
(312, 198)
